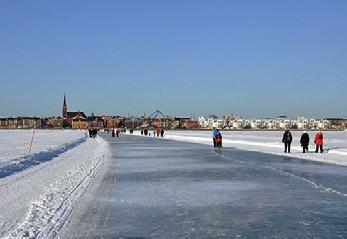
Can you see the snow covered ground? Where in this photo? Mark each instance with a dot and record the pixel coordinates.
(15, 143)
(270, 142)
(36, 200)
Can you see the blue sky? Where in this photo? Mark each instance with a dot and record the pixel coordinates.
(186, 58)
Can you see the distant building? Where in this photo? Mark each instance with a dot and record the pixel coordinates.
(96, 122)
(77, 120)
(73, 119)
(111, 122)
(64, 111)
(337, 123)
(189, 124)
(20, 123)
(54, 122)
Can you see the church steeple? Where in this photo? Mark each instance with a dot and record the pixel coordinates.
(64, 108)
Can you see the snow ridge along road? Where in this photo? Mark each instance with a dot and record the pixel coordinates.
(39, 204)
(28, 161)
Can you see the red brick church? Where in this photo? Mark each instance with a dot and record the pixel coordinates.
(74, 119)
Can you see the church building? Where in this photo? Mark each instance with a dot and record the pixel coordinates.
(73, 119)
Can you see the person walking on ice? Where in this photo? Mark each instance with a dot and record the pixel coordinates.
(214, 134)
(287, 140)
(304, 141)
(217, 138)
(318, 140)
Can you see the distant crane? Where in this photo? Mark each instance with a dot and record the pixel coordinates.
(155, 115)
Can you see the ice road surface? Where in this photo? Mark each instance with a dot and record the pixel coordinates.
(37, 201)
(270, 142)
(154, 188)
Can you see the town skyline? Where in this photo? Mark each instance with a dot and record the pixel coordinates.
(169, 114)
(72, 119)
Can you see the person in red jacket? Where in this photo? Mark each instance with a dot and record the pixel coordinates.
(318, 140)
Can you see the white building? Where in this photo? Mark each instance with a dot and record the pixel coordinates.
(215, 123)
(237, 124)
(203, 122)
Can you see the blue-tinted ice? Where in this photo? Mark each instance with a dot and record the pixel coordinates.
(157, 188)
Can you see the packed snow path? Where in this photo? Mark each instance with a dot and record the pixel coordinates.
(156, 188)
(37, 201)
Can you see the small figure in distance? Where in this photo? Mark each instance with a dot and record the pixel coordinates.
(117, 133)
(141, 132)
(162, 133)
(287, 140)
(304, 141)
(214, 134)
(113, 133)
(93, 133)
(318, 140)
(217, 138)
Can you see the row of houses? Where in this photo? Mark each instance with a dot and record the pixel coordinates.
(78, 120)
(20, 123)
(282, 122)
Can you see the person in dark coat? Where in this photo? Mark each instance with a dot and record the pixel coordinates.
(113, 133)
(304, 141)
(117, 133)
(162, 133)
(287, 140)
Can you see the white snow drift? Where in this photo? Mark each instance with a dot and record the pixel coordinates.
(15, 143)
(37, 201)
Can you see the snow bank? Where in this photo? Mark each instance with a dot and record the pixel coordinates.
(15, 143)
(31, 160)
(270, 142)
(36, 202)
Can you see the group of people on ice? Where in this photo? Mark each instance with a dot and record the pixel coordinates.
(115, 132)
(304, 141)
(92, 133)
(156, 132)
(287, 140)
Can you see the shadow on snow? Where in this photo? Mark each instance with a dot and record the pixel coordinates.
(29, 161)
